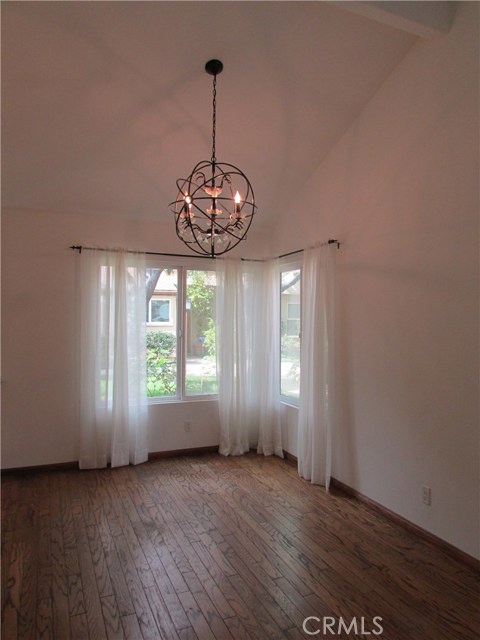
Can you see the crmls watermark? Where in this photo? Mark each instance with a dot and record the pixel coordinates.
(328, 625)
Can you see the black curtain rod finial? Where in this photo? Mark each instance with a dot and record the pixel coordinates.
(333, 241)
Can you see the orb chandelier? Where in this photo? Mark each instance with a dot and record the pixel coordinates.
(215, 205)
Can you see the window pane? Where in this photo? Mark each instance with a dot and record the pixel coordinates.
(159, 310)
(293, 310)
(162, 287)
(290, 333)
(201, 369)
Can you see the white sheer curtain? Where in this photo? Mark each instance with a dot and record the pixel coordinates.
(317, 392)
(246, 334)
(270, 429)
(113, 403)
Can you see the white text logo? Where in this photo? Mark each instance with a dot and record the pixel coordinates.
(312, 626)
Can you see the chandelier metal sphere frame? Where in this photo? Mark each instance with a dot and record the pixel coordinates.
(215, 204)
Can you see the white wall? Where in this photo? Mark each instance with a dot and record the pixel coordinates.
(39, 400)
(400, 191)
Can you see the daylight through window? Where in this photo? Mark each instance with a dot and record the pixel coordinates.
(181, 360)
(290, 284)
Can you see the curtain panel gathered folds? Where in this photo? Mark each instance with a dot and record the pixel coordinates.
(113, 403)
(248, 358)
(317, 373)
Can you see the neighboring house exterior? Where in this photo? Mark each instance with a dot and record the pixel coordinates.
(290, 310)
(162, 307)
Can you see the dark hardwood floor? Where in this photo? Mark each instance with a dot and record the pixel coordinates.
(209, 547)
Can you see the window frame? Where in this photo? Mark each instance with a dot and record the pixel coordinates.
(182, 265)
(292, 263)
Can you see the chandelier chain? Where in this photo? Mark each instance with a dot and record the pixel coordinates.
(214, 118)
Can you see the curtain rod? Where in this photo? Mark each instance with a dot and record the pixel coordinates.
(322, 244)
(79, 248)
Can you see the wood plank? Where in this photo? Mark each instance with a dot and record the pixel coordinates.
(207, 607)
(117, 578)
(104, 584)
(111, 617)
(79, 626)
(165, 625)
(11, 607)
(136, 590)
(44, 621)
(264, 588)
(91, 596)
(254, 616)
(196, 617)
(76, 603)
(131, 628)
(236, 629)
(188, 634)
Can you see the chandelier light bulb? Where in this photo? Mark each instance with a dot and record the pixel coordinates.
(237, 203)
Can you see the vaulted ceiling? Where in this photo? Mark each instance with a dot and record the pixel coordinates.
(106, 104)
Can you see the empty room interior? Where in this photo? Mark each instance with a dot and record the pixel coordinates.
(240, 320)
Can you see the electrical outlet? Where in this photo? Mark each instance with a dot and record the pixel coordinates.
(187, 425)
(426, 495)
